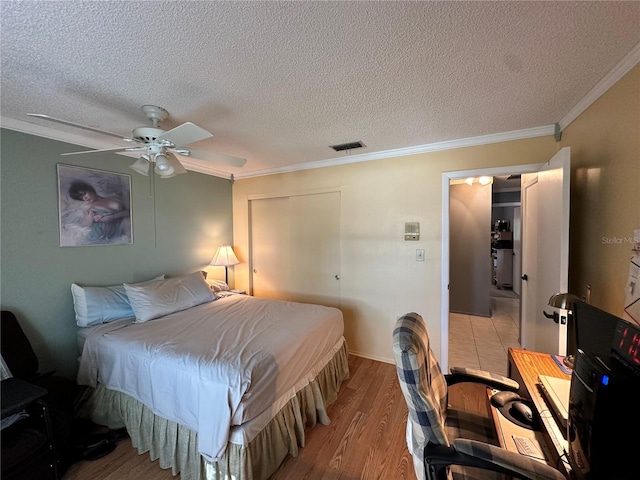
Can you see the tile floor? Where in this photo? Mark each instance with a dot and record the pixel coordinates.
(482, 342)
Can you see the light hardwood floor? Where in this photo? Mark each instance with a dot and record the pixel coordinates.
(365, 440)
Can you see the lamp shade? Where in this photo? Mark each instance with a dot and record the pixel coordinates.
(224, 257)
(565, 301)
(141, 165)
(163, 167)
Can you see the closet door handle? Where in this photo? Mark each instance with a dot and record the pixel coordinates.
(524, 277)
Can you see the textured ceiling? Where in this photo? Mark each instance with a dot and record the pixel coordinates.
(279, 82)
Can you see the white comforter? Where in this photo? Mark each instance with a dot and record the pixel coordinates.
(215, 365)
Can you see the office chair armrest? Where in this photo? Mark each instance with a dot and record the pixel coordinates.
(488, 457)
(493, 380)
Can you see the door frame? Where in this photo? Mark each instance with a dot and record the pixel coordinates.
(447, 177)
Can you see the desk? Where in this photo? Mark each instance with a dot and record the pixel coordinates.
(524, 367)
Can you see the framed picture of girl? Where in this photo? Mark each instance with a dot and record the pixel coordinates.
(94, 207)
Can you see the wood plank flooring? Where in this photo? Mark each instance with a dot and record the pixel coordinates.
(365, 440)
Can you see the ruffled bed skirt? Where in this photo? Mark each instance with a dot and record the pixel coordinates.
(176, 446)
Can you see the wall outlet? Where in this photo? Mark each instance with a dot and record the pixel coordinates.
(420, 255)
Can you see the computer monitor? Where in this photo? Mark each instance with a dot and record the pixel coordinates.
(594, 330)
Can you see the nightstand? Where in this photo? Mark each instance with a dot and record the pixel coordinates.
(18, 395)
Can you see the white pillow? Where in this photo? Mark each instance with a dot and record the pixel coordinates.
(168, 296)
(218, 285)
(96, 305)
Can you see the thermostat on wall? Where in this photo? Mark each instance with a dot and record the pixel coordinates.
(412, 231)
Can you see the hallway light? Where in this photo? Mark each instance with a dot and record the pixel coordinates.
(483, 180)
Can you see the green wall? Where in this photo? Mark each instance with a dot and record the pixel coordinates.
(192, 217)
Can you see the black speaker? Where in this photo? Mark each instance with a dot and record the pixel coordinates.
(604, 422)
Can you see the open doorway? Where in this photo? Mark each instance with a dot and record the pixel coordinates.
(484, 308)
(501, 304)
(545, 250)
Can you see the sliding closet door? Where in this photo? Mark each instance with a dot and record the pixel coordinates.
(315, 247)
(295, 244)
(269, 232)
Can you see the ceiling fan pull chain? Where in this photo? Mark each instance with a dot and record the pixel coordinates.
(155, 229)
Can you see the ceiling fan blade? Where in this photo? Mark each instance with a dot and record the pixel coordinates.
(175, 163)
(184, 134)
(115, 150)
(66, 122)
(216, 157)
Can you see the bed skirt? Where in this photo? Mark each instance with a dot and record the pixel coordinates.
(176, 446)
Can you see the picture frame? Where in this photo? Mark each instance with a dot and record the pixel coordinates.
(94, 207)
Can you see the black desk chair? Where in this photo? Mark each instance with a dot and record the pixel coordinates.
(50, 418)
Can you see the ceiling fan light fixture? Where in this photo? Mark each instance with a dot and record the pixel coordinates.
(156, 142)
(141, 165)
(163, 167)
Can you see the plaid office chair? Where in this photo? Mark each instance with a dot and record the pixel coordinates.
(445, 442)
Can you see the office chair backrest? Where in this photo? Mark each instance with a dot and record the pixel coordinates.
(422, 383)
(15, 347)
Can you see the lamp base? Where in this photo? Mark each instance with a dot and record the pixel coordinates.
(569, 361)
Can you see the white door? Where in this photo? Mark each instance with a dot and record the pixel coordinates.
(545, 253)
(295, 248)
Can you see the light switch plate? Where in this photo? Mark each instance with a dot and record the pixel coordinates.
(420, 255)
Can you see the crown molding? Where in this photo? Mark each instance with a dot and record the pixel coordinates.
(204, 167)
(53, 134)
(629, 61)
(401, 152)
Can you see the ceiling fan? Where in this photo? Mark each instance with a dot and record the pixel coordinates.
(162, 148)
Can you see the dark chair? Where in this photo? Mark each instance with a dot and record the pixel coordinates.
(447, 442)
(22, 456)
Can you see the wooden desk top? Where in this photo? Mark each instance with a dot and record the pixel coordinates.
(528, 365)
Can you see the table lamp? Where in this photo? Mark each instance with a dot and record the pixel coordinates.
(223, 258)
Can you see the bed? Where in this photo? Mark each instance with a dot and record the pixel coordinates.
(221, 389)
